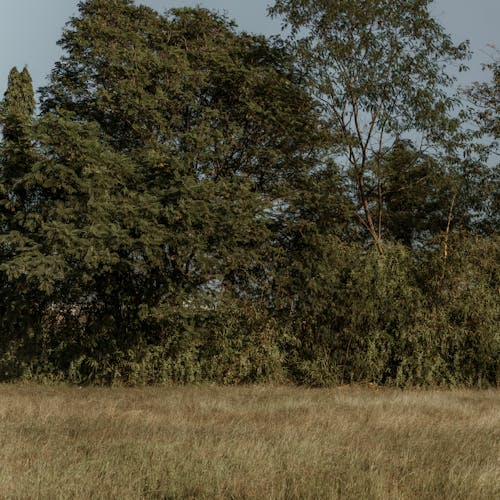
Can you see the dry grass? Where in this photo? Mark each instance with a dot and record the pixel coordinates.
(247, 442)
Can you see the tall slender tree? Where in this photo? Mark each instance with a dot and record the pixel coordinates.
(19, 302)
(17, 152)
(378, 69)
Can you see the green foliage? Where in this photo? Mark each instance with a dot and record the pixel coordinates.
(485, 97)
(16, 158)
(192, 204)
(21, 308)
(376, 68)
(388, 320)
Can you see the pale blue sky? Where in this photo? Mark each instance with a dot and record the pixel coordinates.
(29, 29)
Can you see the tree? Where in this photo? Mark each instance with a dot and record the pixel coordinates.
(485, 100)
(189, 85)
(417, 188)
(17, 152)
(485, 96)
(19, 302)
(378, 69)
(165, 144)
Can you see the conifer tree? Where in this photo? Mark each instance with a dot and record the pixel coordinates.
(17, 154)
(19, 302)
(17, 157)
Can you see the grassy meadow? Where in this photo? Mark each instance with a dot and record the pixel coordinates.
(60, 442)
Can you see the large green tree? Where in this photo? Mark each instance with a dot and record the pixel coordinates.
(378, 69)
(167, 144)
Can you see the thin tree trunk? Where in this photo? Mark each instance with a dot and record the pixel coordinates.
(448, 226)
(369, 219)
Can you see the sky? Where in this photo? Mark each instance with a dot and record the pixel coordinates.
(29, 29)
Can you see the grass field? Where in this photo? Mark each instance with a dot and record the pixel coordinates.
(258, 442)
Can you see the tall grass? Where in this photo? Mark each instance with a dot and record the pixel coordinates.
(248, 442)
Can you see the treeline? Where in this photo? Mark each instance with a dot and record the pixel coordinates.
(194, 203)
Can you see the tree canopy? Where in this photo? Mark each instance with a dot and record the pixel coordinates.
(193, 202)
